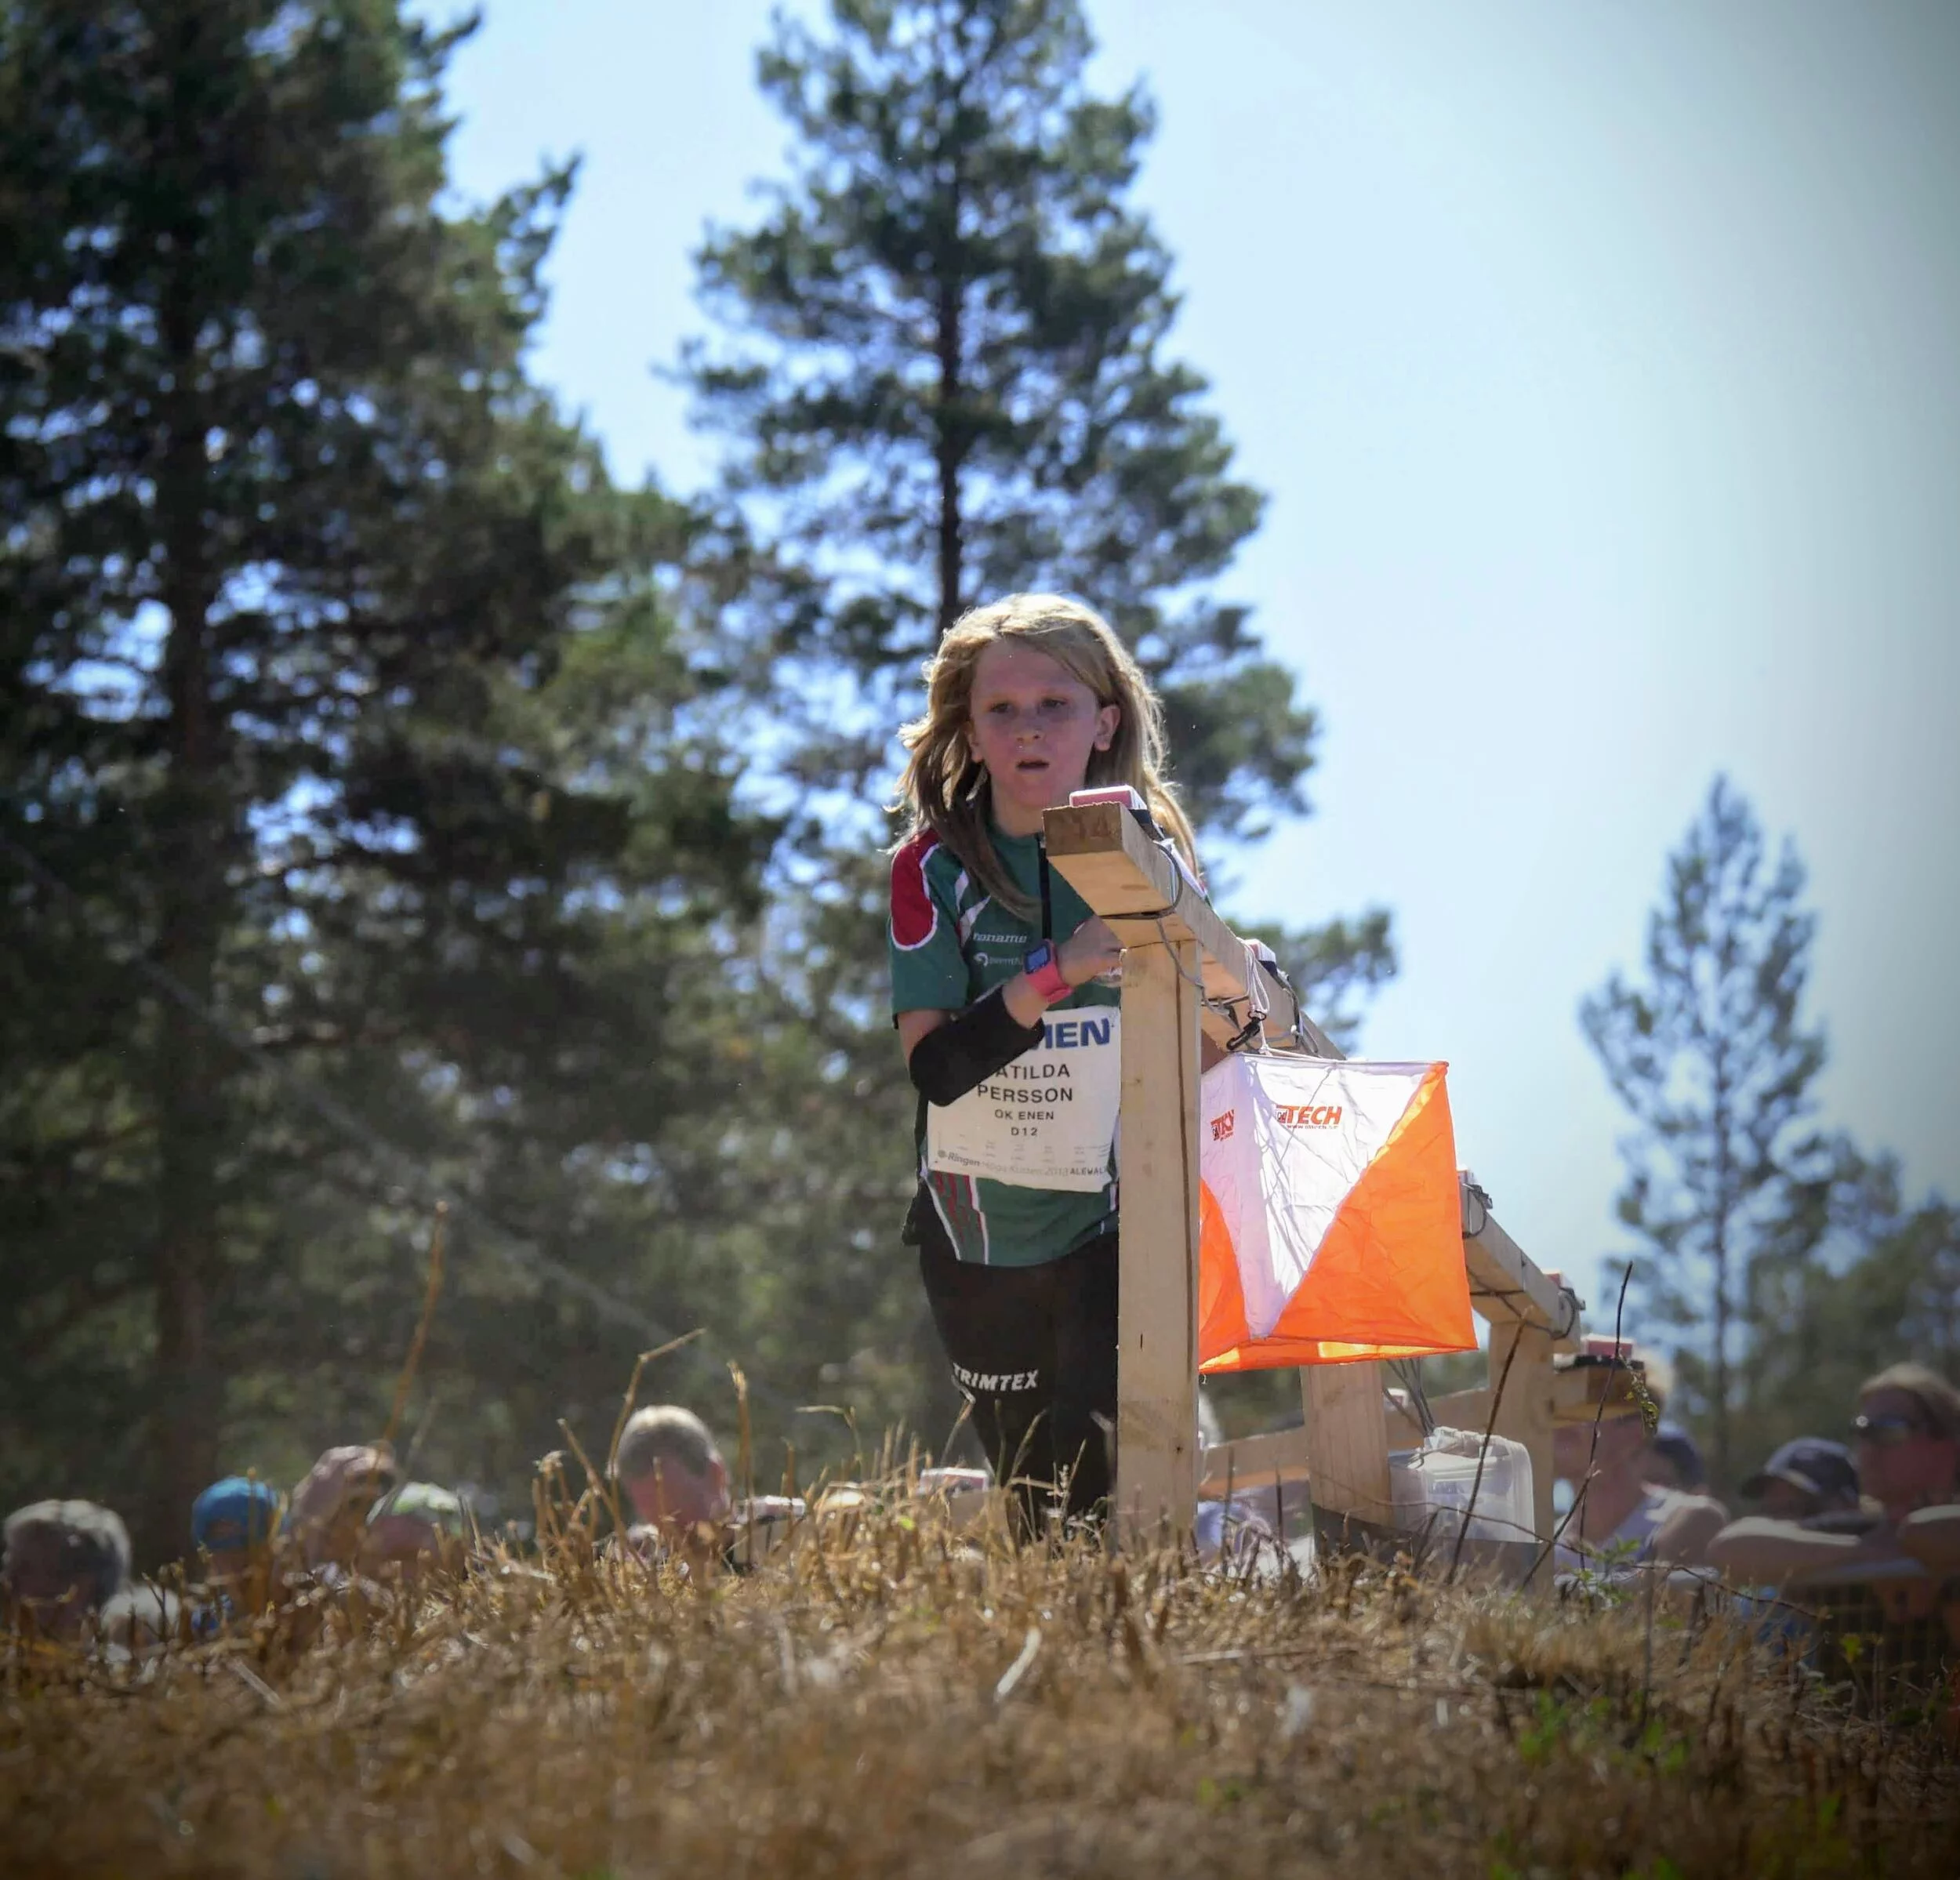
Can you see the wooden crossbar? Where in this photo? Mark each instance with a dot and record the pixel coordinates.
(1256, 1462)
(1505, 1285)
(1186, 970)
(1104, 853)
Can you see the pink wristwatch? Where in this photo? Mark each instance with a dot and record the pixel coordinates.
(1042, 965)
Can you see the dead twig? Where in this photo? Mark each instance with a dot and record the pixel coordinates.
(633, 1388)
(430, 1293)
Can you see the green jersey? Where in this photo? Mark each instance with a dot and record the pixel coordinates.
(951, 943)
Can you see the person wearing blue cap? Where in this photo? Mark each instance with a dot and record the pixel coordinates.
(1807, 1477)
(233, 1523)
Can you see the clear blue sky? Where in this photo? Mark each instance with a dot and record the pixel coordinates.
(1602, 363)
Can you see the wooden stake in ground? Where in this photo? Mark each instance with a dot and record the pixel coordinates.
(1157, 1360)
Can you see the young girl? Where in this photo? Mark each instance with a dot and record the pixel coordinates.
(1001, 992)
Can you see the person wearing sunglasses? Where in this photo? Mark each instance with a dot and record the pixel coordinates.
(1907, 1433)
(1907, 1437)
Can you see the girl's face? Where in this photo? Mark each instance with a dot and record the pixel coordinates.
(1034, 725)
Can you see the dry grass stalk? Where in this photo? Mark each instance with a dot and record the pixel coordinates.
(886, 1696)
(430, 1294)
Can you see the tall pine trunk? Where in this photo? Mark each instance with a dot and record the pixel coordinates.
(186, 1392)
(947, 452)
(1721, 1214)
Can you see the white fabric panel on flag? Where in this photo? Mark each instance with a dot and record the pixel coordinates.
(1302, 1131)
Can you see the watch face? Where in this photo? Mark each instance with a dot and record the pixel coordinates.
(1038, 956)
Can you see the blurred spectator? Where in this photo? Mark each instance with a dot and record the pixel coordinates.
(1621, 1518)
(233, 1523)
(1807, 1477)
(678, 1484)
(63, 1561)
(1674, 1460)
(1908, 1434)
(329, 1509)
(413, 1528)
(1932, 1536)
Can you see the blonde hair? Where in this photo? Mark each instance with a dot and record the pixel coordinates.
(944, 786)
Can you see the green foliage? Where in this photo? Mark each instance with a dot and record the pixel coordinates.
(352, 758)
(956, 386)
(380, 816)
(943, 376)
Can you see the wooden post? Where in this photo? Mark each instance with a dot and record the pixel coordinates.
(1528, 1410)
(1347, 1442)
(1157, 1363)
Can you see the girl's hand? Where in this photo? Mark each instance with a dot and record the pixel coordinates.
(1091, 950)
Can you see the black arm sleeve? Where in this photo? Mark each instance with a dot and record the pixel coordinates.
(969, 1048)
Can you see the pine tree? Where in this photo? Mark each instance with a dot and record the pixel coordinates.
(963, 388)
(314, 623)
(1713, 1059)
(944, 375)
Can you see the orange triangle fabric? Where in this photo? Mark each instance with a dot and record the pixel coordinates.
(1330, 1229)
(1221, 1299)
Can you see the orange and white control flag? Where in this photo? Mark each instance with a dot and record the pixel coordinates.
(1330, 1227)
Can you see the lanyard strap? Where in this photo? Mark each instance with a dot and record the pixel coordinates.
(1047, 915)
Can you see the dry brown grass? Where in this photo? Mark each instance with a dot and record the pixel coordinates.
(849, 1710)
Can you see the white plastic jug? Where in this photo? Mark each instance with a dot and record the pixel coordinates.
(1432, 1487)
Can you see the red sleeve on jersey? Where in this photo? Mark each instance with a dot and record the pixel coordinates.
(914, 916)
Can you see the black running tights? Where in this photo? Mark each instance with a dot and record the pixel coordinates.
(1034, 1349)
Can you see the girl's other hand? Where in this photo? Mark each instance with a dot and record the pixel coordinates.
(1091, 950)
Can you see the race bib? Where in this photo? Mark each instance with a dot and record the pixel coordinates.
(1046, 1120)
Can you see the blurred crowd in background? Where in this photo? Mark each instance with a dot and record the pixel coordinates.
(1881, 1509)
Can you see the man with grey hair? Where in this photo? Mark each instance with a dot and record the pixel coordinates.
(674, 1477)
(65, 1561)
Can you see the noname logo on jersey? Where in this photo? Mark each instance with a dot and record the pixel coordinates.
(1065, 1034)
(1308, 1116)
